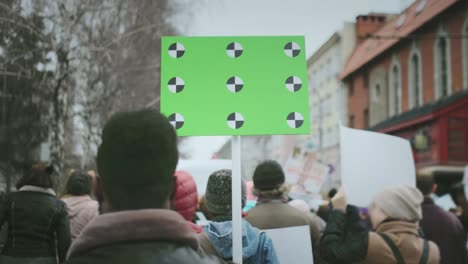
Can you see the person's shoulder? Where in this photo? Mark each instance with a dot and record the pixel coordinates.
(434, 253)
(92, 203)
(59, 204)
(438, 214)
(253, 212)
(376, 247)
(142, 253)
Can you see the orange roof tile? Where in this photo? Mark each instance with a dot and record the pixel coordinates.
(401, 26)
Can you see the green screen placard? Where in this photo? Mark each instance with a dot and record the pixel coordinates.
(235, 85)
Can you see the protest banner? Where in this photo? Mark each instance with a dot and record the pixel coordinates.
(371, 162)
(235, 86)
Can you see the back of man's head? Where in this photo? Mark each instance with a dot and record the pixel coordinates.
(137, 160)
(425, 183)
(268, 175)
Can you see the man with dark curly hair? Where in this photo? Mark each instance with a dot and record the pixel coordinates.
(136, 162)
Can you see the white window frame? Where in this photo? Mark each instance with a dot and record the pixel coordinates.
(415, 52)
(442, 33)
(395, 63)
(465, 53)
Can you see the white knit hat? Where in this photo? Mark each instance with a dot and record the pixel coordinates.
(402, 202)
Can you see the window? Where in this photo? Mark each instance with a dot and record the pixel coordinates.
(377, 93)
(442, 66)
(351, 121)
(329, 69)
(420, 7)
(442, 46)
(395, 90)
(401, 20)
(415, 86)
(328, 105)
(329, 137)
(366, 79)
(465, 54)
(366, 118)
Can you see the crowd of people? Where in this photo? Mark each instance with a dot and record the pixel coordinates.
(139, 209)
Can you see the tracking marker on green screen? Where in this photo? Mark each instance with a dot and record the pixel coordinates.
(235, 85)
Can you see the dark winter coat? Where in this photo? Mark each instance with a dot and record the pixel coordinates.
(36, 219)
(344, 241)
(137, 237)
(446, 231)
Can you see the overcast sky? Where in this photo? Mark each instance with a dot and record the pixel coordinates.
(317, 20)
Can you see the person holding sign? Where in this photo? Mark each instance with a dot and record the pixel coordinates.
(395, 213)
(272, 210)
(217, 238)
(136, 161)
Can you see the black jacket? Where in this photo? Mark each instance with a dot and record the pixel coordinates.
(345, 240)
(36, 220)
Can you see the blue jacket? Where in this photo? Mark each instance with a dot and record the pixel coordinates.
(257, 246)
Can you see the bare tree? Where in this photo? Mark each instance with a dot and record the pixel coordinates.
(68, 65)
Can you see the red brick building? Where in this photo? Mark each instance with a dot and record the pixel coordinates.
(409, 78)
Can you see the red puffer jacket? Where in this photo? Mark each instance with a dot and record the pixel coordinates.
(185, 200)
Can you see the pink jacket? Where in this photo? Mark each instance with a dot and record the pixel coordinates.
(186, 197)
(81, 210)
(185, 200)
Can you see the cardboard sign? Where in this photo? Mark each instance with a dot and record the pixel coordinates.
(235, 85)
(292, 244)
(202, 169)
(372, 162)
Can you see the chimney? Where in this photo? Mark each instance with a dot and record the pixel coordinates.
(368, 24)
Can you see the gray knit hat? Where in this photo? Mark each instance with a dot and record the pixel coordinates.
(219, 193)
(402, 202)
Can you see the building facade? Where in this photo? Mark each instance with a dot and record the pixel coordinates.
(327, 93)
(409, 78)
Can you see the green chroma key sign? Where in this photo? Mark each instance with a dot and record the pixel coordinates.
(235, 85)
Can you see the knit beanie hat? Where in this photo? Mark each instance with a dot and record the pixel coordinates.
(219, 193)
(402, 202)
(268, 175)
(79, 184)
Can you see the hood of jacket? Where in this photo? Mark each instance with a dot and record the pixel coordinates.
(76, 204)
(398, 227)
(220, 234)
(185, 200)
(132, 226)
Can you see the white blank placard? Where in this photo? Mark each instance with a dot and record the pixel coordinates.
(202, 169)
(372, 162)
(292, 244)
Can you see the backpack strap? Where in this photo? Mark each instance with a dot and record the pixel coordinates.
(394, 248)
(425, 254)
